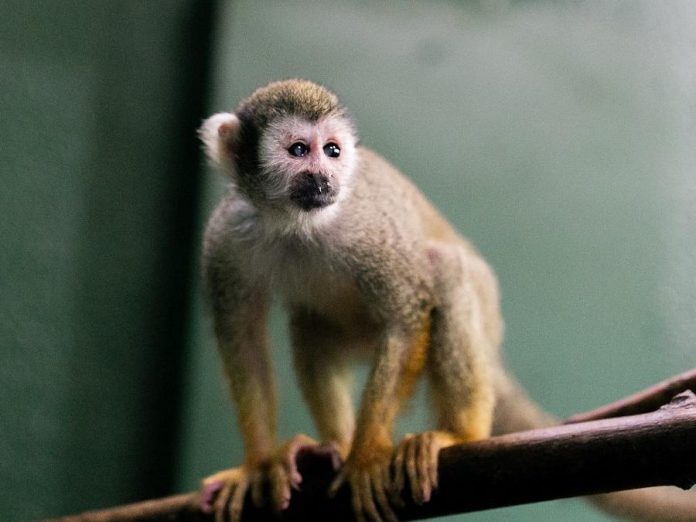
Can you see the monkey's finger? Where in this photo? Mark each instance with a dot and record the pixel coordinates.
(412, 471)
(387, 478)
(356, 501)
(423, 445)
(210, 490)
(332, 450)
(237, 502)
(257, 480)
(222, 501)
(379, 491)
(433, 465)
(367, 499)
(397, 484)
(290, 462)
(399, 480)
(280, 488)
(337, 483)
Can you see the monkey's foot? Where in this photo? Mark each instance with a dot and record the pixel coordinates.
(270, 482)
(368, 476)
(224, 492)
(416, 461)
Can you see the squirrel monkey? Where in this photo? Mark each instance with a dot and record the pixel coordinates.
(368, 269)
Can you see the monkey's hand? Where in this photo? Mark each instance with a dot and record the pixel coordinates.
(416, 461)
(223, 493)
(367, 472)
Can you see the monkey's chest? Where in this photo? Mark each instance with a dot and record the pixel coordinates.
(313, 283)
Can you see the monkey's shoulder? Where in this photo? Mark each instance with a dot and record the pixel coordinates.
(232, 217)
(386, 201)
(379, 176)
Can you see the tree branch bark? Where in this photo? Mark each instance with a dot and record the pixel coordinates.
(644, 401)
(575, 459)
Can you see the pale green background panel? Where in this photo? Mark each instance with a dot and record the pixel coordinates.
(558, 136)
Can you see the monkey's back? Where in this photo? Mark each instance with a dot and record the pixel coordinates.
(391, 193)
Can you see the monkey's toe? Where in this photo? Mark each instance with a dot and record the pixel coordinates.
(416, 464)
(370, 484)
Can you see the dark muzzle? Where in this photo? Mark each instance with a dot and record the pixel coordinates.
(311, 190)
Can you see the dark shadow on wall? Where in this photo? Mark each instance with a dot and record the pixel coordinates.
(101, 179)
(138, 254)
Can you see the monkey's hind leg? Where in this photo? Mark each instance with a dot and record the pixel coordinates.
(458, 367)
(319, 354)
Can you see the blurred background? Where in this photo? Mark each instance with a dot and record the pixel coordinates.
(559, 136)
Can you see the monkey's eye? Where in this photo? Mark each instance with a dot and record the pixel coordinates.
(298, 149)
(332, 150)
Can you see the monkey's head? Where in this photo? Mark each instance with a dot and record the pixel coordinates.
(290, 145)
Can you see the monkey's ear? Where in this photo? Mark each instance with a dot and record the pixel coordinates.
(219, 135)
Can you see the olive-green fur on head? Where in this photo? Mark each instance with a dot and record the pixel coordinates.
(288, 98)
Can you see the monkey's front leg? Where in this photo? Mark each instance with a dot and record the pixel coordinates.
(367, 469)
(463, 342)
(240, 324)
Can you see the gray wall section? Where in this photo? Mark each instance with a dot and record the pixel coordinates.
(559, 136)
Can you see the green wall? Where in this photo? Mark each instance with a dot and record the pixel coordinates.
(99, 183)
(558, 136)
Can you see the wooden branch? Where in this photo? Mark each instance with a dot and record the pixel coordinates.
(178, 507)
(577, 459)
(644, 401)
(567, 461)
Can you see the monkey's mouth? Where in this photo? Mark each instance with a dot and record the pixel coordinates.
(311, 191)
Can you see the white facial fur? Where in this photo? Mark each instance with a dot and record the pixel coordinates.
(280, 167)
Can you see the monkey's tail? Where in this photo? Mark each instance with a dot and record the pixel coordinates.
(516, 411)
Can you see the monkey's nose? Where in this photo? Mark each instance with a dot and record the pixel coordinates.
(318, 182)
(312, 190)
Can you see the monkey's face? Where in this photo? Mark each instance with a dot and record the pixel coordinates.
(307, 165)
